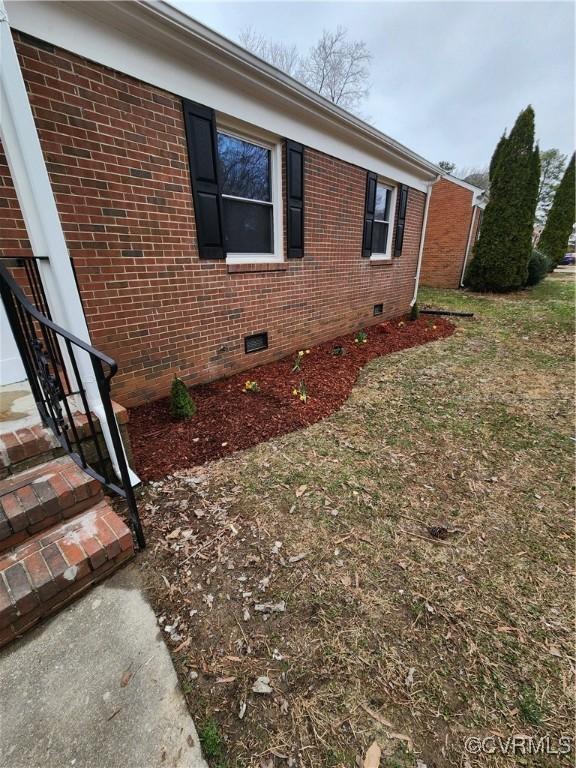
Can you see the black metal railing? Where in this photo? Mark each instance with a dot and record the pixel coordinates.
(50, 357)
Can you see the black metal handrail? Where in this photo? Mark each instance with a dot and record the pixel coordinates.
(43, 345)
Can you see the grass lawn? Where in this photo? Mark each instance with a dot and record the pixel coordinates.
(375, 629)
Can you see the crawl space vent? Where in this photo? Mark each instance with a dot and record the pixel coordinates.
(256, 342)
(378, 309)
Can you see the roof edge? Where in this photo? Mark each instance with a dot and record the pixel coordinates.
(255, 66)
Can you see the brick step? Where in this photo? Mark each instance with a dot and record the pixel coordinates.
(30, 446)
(54, 566)
(38, 498)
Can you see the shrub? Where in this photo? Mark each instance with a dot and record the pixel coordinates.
(538, 267)
(361, 337)
(181, 404)
(338, 351)
(251, 387)
(414, 312)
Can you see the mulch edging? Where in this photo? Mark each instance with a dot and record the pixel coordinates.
(229, 419)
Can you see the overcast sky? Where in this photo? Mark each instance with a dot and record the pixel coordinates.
(447, 77)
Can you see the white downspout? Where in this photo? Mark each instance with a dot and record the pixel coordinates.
(38, 206)
(468, 244)
(423, 238)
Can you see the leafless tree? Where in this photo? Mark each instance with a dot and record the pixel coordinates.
(476, 176)
(280, 55)
(338, 68)
(335, 67)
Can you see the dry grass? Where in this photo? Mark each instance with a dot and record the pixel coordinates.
(387, 632)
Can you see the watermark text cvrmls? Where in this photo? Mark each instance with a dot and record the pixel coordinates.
(519, 744)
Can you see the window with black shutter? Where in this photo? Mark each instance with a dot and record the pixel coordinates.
(236, 185)
(295, 199)
(369, 208)
(203, 158)
(378, 218)
(401, 220)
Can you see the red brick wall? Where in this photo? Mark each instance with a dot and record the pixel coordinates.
(116, 154)
(449, 217)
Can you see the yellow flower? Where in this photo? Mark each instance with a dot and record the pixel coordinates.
(400, 324)
(294, 392)
(364, 341)
(434, 327)
(307, 351)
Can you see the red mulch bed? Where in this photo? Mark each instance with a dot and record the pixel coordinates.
(229, 419)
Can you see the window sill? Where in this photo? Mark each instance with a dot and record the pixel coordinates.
(380, 261)
(270, 266)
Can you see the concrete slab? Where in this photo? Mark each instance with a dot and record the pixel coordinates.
(95, 688)
(17, 407)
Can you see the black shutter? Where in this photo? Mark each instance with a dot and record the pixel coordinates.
(203, 157)
(369, 208)
(295, 199)
(401, 219)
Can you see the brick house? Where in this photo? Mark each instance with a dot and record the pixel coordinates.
(454, 218)
(174, 204)
(219, 214)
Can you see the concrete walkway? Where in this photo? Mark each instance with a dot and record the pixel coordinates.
(94, 687)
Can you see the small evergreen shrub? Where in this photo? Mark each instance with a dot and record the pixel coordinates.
(414, 312)
(181, 404)
(538, 267)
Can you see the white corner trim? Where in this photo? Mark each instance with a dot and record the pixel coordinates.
(38, 207)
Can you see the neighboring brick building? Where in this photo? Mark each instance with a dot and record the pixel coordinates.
(206, 197)
(454, 218)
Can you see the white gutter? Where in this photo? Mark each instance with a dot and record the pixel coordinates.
(38, 206)
(467, 251)
(423, 238)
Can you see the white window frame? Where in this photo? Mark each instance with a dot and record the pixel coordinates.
(230, 128)
(393, 189)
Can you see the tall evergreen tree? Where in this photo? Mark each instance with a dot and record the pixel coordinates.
(560, 221)
(497, 155)
(500, 260)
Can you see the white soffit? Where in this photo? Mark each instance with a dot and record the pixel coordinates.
(149, 42)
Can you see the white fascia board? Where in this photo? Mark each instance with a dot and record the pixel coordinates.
(157, 44)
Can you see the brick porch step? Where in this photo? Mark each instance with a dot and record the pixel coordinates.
(38, 498)
(29, 446)
(55, 565)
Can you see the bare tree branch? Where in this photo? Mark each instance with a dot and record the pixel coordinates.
(336, 67)
(280, 55)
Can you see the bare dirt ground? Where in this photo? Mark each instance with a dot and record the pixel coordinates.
(401, 571)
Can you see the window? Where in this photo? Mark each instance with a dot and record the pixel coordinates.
(382, 229)
(249, 183)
